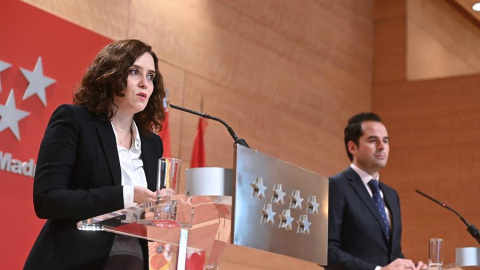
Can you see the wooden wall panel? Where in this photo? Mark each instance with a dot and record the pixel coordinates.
(174, 79)
(433, 126)
(389, 41)
(352, 48)
(442, 42)
(238, 257)
(108, 18)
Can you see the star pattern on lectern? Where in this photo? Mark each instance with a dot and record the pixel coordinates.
(37, 82)
(296, 200)
(268, 214)
(303, 225)
(285, 220)
(10, 115)
(258, 188)
(278, 194)
(3, 66)
(312, 205)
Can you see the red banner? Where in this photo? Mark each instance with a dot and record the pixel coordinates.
(42, 59)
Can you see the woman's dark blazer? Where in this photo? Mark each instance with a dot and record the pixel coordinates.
(77, 177)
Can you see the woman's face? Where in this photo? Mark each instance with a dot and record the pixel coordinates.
(139, 86)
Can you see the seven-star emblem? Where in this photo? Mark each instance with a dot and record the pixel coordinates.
(37, 82)
(10, 115)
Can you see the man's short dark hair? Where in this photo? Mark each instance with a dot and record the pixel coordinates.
(353, 131)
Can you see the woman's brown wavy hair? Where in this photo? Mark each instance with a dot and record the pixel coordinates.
(107, 75)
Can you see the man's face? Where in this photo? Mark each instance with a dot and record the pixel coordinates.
(371, 153)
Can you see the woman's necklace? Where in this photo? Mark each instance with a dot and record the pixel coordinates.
(127, 135)
(121, 131)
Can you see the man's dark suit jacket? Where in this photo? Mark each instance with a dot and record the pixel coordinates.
(78, 176)
(356, 236)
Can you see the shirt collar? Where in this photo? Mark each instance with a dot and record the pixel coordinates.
(137, 143)
(363, 174)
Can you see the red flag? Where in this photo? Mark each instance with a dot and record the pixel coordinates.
(165, 135)
(198, 153)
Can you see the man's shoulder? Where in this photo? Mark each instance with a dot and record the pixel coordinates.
(342, 176)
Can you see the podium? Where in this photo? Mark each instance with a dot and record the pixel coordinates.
(276, 207)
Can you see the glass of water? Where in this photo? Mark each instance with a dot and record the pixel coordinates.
(435, 254)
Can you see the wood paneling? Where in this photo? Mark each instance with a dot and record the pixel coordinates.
(442, 42)
(433, 126)
(108, 18)
(237, 257)
(390, 50)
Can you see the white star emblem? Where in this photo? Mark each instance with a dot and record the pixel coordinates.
(312, 205)
(10, 115)
(258, 188)
(303, 225)
(268, 214)
(36, 82)
(3, 66)
(278, 194)
(285, 220)
(296, 200)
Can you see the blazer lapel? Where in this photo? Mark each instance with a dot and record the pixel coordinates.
(107, 139)
(362, 192)
(150, 163)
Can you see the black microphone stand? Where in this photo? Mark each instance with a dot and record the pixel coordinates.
(470, 227)
(204, 115)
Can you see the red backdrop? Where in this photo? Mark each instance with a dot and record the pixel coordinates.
(27, 33)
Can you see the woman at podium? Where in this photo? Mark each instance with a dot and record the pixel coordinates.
(97, 156)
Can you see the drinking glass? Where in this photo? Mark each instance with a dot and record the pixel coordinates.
(167, 184)
(435, 254)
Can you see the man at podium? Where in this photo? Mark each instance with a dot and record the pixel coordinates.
(364, 214)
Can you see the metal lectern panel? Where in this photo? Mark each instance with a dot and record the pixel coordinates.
(279, 207)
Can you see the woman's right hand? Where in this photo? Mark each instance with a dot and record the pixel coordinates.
(143, 195)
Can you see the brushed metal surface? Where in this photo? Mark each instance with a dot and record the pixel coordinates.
(258, 209)
(209, 181)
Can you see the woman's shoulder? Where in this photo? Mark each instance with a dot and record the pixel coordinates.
(72, 110)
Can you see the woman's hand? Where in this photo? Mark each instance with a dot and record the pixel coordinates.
(143, 195)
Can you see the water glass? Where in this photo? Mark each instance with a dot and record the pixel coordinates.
(167, 185)
(435, 254)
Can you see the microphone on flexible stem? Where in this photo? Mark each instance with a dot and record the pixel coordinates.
(470, 227)
(204, 115)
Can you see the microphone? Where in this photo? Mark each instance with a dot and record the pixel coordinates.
(470, 227)
(204, 115)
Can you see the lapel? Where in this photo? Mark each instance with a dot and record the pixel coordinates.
(108, 142)
(150, 163)
(359, 188)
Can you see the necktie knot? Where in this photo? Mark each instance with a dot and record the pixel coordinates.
(373, 184)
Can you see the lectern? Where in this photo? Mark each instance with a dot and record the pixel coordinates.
(276, 207)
